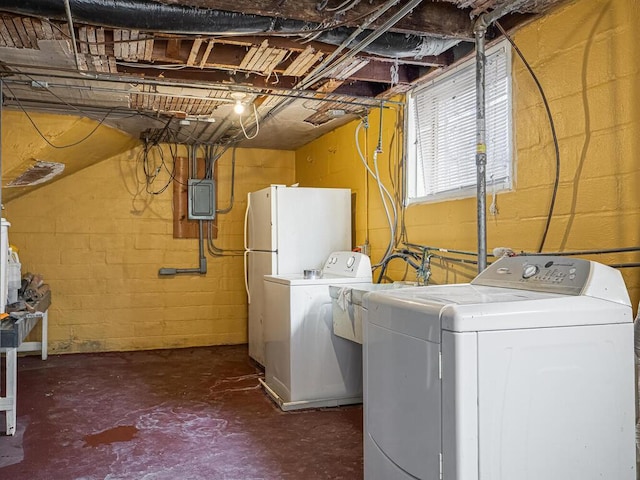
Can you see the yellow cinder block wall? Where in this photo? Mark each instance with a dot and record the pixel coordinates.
(99, 239)
(334, 161)
(584, 55)
(76, 142)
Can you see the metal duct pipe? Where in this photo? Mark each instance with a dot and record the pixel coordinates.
(391, 44)
(481, 147)
(178, 19)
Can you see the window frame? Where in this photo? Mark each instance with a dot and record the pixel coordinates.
(503, 184)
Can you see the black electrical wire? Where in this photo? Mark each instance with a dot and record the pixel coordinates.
(399, 178)
(439, 249)
(77, 109)
(454, 260)
(394, 177)
(150, 176)
(152, 173)
(42, 134)
(405, 255)
(553, 133)
(159, 137)
(601, 251)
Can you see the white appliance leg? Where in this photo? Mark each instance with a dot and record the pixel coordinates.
(9, 402)
(45, 333)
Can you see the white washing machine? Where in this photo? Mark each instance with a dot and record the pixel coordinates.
(306, 364)
(527, 373)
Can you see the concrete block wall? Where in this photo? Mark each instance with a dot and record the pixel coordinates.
(584, 55)
(333, 161)
(99, 239)
(22, 146)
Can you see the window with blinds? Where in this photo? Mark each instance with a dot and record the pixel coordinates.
(441, 131)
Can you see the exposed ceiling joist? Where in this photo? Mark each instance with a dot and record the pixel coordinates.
(299, 62)
(429, 18)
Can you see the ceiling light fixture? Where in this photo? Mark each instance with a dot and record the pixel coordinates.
(239, 105)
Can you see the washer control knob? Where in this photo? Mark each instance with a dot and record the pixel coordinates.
(529, 271)
(350, 261)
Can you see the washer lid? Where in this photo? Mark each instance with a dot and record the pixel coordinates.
(466, 294)
(553, 311)
(460, 294)
(419, 311)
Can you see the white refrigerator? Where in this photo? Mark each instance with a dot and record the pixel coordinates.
(288, 230)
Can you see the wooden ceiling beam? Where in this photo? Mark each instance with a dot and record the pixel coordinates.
(230, 57)
(165, 51)
(379, 72)
(373, 73)
(284, 42)
(361, 89)
(428, 18)
(207, 76)
(231, 51)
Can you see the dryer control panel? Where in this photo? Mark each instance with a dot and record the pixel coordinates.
(347, 264)
(540, 273)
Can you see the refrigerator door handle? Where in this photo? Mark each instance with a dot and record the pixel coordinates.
(246, 249)
(246, 274)
(246, 222)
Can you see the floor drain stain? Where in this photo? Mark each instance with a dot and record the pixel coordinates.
(123, 433)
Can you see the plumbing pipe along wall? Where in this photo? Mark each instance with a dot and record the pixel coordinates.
(479, 30)
(481, 147)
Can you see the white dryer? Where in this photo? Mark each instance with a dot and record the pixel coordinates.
(527, 373)
(306, 364)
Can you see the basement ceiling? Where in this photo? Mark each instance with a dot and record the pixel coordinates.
(173, 70)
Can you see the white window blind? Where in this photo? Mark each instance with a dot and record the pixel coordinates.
(441, 132)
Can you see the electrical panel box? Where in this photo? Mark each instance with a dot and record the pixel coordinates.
(202, 199)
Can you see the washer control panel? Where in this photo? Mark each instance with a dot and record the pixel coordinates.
(538, 272)
(347, 264)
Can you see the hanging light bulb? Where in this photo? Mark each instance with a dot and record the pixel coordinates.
(238, 107)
